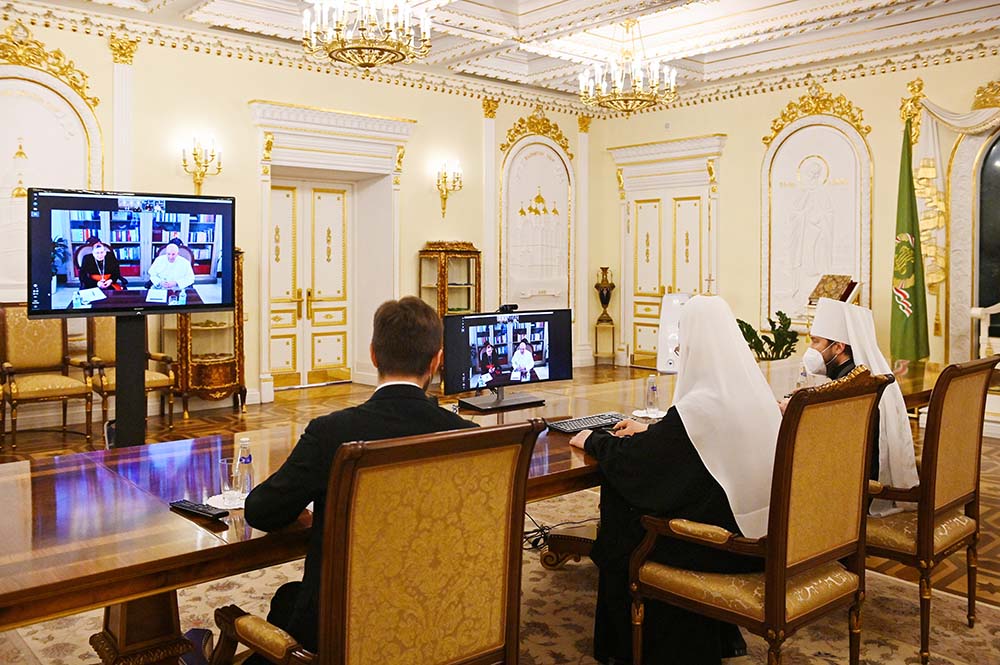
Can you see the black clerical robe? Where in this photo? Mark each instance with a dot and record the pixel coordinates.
(657, 472)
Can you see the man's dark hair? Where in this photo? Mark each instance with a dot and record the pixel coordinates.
(407, 336)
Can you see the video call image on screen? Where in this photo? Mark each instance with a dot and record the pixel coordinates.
(128, 252)
(507, 349)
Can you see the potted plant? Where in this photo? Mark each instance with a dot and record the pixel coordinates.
(59, 255)
(780, 344)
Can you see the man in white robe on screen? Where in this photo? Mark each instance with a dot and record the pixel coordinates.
(843, 336)
(171, 271)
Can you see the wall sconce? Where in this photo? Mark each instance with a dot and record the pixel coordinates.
(449, 179)
(202, 159)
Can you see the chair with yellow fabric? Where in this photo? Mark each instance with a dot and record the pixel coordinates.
(947, 515)
(817, 519)
(422, 555)
(36, 367)
(102, 355)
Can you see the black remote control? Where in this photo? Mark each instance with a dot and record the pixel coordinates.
(201, 509)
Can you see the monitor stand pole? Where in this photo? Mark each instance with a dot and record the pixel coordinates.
(130, 381)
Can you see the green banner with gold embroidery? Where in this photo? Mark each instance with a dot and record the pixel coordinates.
(909, 298)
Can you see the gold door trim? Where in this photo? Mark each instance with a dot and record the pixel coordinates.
(294, 193)
(284, 378)
(343, 340)
(329, 316)
(649, 310)
(635, 337)
(659, 254)
(673, 264)
(343, 244)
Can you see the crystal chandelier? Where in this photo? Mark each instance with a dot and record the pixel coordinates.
(364, 33)
(628, 82)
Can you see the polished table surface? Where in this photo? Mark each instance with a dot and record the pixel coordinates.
(92, 529)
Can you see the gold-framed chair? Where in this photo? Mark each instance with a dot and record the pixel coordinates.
(803, 578)
(394, 510)
(102, 356)
(36, 367)
(947, 498)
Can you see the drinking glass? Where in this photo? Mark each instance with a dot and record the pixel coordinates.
(234, 478)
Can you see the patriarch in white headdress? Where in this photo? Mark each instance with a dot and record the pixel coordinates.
(854, 326)
(728, 409)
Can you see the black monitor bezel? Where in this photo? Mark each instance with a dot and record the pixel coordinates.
(521, 312)
(149, 308)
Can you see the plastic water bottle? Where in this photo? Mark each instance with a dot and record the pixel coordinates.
(246, 465)
(652, 401)
(182, 297)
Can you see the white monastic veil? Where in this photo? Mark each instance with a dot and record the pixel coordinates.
(897, 464)
(727, 408)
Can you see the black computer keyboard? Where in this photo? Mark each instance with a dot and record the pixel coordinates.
(587, 422)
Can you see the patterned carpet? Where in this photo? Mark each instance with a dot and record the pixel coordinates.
(557, 617)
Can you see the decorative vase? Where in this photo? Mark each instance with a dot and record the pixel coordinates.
(604, 289)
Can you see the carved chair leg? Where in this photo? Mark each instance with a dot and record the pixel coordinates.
(90, 417)
(170, 409)
(971, 560)
(774, 642)
(225, 618)
(104, 408)
(13, 426)
(854, 622)
(3, 419)
(925, 616)
(65, 405)
(184, 402)
(638, 614)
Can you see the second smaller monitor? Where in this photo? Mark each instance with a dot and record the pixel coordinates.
(503, 350)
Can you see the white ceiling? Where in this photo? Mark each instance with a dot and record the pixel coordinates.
(546, 43)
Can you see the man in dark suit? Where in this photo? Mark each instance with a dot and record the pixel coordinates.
(406, 351)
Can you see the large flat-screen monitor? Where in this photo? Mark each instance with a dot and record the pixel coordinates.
(103, 253)
(497, 351)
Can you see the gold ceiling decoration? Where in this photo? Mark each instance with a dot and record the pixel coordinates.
(987, 97)
(18, 48)
(818, 102)
(123, 49)
(910, 108)
(364, 34)
(490, 107)
(536, 124)
(583, 123)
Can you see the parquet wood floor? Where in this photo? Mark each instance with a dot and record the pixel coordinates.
(296, 408)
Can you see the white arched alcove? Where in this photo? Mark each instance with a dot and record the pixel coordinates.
(964, 169)
(366, 151)
(60, 140)
(816, 210)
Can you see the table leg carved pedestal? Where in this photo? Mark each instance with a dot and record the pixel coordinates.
(145, 631)
(569, 543)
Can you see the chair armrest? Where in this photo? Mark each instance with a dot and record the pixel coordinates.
(5, 369)
(75, 361)
(890, 493)
(271, 642)
(98, 362)
(159, 357)
(707, 535)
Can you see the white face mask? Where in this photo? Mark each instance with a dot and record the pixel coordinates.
(813, 360)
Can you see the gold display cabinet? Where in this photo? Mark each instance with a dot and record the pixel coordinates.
(210, 350)
(450, 277)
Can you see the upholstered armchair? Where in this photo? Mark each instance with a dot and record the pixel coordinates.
(819, 500)
(457, 602)
(947, 498)
(102, 355)
(36, 367)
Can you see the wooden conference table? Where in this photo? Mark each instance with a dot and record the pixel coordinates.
(94, 529)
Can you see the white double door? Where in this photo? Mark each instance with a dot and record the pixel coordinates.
(670, 242)
(310, 309)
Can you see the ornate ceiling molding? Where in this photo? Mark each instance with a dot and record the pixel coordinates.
(536, 124)
(18, 48)
(818, 102)
(988, 96)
